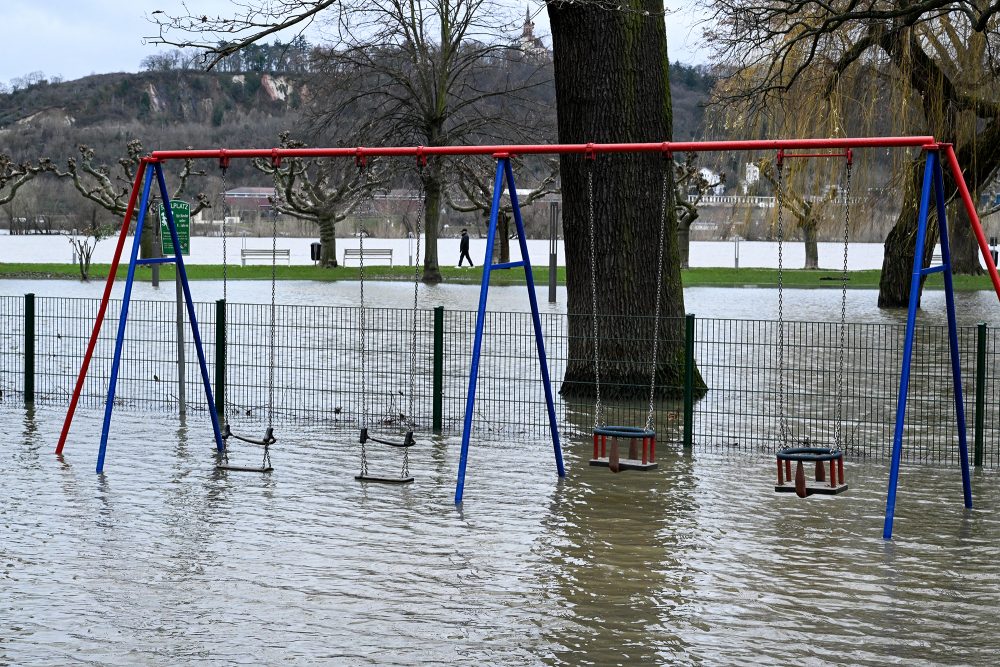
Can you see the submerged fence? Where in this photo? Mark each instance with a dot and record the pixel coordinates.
(318, 374)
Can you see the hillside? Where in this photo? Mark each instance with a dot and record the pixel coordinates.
(179, 108)
(46, 117)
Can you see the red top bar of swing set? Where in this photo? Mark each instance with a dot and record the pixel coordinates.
(549, 149)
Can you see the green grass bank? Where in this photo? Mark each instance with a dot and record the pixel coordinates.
(699, 277)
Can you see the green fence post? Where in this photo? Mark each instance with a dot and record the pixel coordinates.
(438, 393)
(220, 359)
(29, 348)
(980, 393)
(688, 380)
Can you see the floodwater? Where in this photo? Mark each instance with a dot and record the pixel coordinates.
(208, 250)
(164, 560)
(819, 305)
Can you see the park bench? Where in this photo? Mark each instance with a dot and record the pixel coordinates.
(368, 253)
(265, 254)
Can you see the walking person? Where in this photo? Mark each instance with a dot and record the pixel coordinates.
(463, 248)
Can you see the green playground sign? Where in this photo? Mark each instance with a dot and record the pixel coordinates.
(182, 220)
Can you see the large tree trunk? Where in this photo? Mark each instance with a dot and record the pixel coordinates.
(964, 248)
(979, 161)
(809, 239)
(684, 240)
(900, 245)
(328, 240)
(612, 85)
(503, 236)
(433, 188)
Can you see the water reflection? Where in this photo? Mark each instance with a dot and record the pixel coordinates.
(165, 560)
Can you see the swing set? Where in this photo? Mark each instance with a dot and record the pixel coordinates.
(936, 154)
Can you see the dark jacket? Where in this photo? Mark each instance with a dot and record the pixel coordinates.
(463, 245)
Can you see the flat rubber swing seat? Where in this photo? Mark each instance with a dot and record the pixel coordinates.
(226, 466)
(608, 457)
(264, 442)
(383, 480)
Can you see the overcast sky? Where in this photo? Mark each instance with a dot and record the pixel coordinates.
(75, 38)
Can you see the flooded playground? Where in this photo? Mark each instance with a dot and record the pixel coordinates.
(165, 560)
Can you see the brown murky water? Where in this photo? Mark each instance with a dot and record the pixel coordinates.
(163, 560)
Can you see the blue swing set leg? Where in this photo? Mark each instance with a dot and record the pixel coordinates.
(932, 177)
(151, 169)
(504, 171)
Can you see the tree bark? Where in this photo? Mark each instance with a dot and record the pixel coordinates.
(328, 240)
(809, 239)
(684, 241)
(900, 246)
(433, 187)
(612, 85)
(503, 236)
(964, 248)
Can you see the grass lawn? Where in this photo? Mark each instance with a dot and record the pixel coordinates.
(701, 277)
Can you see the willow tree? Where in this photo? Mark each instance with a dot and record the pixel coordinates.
(613, 85)
(871, 67)
(808, 213)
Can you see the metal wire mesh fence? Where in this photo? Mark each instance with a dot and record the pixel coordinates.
(319, 369)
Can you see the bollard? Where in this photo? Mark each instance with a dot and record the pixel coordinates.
(29, 348)
(980, 417)
(220, 359)
(688, 381)
(438, 393)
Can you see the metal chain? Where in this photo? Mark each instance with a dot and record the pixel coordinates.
(361, 319)
(225, 262)
(413, 330)
(225, 274)
(782, 420)
(272, 339)
(838, 426)
(667, 173)
(598, 410)
(416, 285)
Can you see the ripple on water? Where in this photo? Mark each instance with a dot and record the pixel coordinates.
(165, 560)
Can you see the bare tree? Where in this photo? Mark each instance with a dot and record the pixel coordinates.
(321, 191)
(85, 240)
(110, 187)
(411, 72)
(474, 179)
(691, 185)
(14, 175)
(810, 213)
(932, 64)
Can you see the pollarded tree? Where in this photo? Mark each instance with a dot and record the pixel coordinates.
(691, 183)
(321, 191)
(808, 212)
(14, 175)
(612, 85)
(474, 180)
(872, 66)
(110, 188)
(407, 72)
